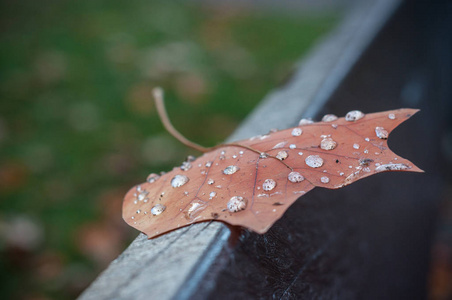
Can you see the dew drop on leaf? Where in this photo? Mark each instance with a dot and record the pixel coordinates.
(268, 185)
(329, 118)
(280, 145)
(354, 115)
(230, 170)
(158, 209)
(185, 166)
(328, 144)
(152, 177)
(305, 122)
(391, 116)
(297, 131)
(391, 167)
(179, 180)
(381, 133)
(282, 155)
(314, 161)
(196, 207)
(295, 177)
(324, 179)
(236, 203)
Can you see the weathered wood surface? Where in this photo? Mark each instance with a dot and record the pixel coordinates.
(368, 241)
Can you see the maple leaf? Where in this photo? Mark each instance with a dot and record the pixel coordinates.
(251, 183)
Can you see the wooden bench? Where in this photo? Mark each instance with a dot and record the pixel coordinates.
(369, 240)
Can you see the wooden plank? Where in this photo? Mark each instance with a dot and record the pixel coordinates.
(369, 240)
(174, 265)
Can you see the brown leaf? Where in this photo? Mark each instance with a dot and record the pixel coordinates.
(253, 182)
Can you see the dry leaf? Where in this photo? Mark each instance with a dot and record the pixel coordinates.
(253, 182)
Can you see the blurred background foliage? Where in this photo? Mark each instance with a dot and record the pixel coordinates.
(78, 127)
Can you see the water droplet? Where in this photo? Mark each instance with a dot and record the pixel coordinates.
(138, 211)
(145, 212)
(223, 152)
(292, 146)
(135, 202)
(210, 181)
(208, 164)
(211, 195)
(179, 180)
(132, 218)
(391, 167)
(334, 126)
(269, 184)
(196, 207)
(295, 177)
(282, 155)
(365, 161)
(190, 158)
(356, 146)
(366, 151)
(241, 152)
(367, 139)
(230, 170)
(329, 118)
(185, 166)
(314, 161)
(297, 132)
(341, 173)
(236, 203)
(328, 144)
(324, 179)
(152, 178)
(354, 115)
(381, 133)
(391, 116)
(280, 145)
(305, 122)
(186, 193)
(142, 195)
(234, 156)
(158, 209)
(263, 155)
(300, 153)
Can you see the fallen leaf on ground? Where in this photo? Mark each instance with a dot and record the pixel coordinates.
(252, 183)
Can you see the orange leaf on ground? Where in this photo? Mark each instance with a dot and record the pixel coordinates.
(252, 183)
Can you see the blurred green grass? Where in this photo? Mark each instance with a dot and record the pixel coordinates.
(78, 128)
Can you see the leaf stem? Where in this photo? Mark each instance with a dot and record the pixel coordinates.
(160, 104)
